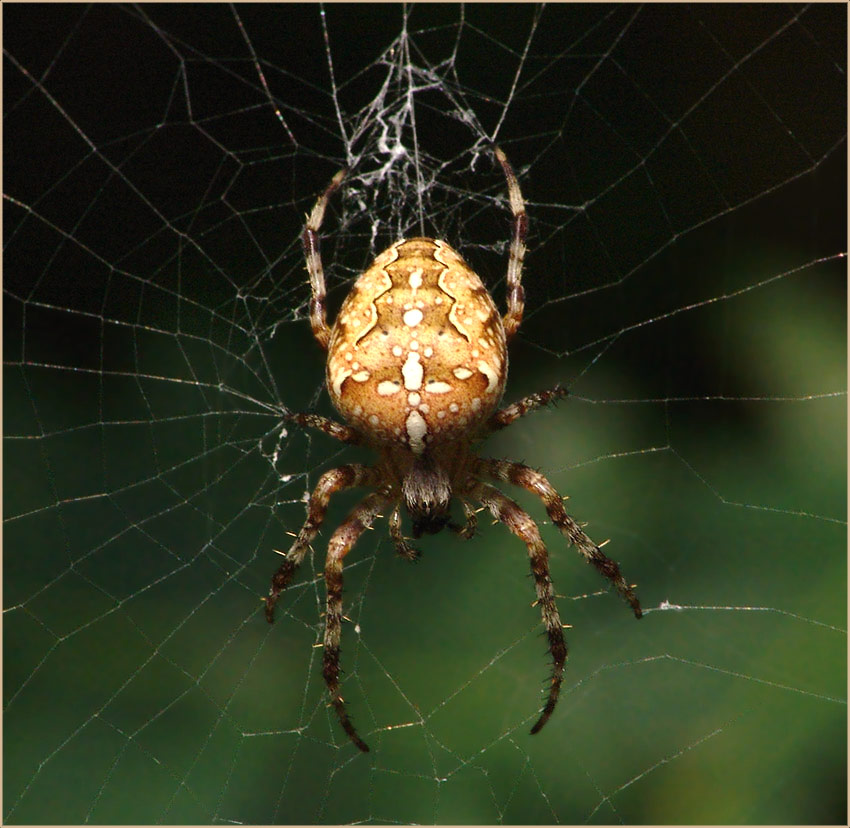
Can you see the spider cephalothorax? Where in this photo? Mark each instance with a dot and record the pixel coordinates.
(427, 494)
(417, 363)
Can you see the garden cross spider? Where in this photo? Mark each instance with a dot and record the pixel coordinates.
(417, 363)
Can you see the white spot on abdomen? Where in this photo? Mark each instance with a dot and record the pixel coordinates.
(462, 373)
(338, 379)
(412, 317)
(388, 387)
(412, 372)
(361, 376)
(438, 387)
(417, 428)
(492, 376)
(416, 278)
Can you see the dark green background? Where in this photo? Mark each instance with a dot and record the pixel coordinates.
(684, 280)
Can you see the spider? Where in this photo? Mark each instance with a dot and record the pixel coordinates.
(416, 365)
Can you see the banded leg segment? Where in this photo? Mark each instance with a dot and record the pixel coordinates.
(338, 431)
(508, 512)
(505, 416)
(335, 480)
(310, 238)
(346, 535)
(519, 225)
(534, 482)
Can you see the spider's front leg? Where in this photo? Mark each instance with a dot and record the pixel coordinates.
(520, 523)
(335, 480)
(534, 482)
(346, 535)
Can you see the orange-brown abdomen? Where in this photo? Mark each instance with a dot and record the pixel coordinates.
(417, 354)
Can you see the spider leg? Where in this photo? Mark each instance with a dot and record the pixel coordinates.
(338, 431)
(310, 239)
(534, 482)
(505, 416)
(335, 480)
(401, 545)
(508, 512)
(345, 536)
(519, 224)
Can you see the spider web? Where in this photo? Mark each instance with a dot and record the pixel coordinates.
(684, 168)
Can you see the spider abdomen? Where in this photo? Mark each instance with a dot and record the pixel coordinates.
(417, 355)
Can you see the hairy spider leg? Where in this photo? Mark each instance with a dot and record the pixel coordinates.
(345, 536)
(521, 524)
(505, 416)
(335, 480)
(310, 239)
(332, 428)
(534, 482)
(516, 294)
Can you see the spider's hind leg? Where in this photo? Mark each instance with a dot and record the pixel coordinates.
(310, 240)
(519, 228)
